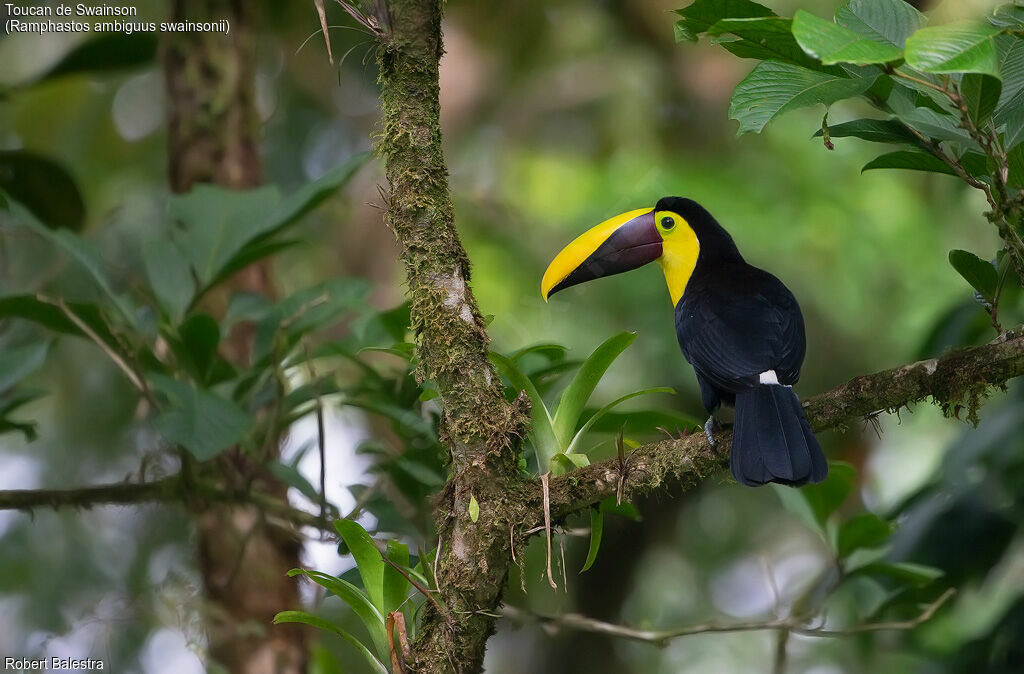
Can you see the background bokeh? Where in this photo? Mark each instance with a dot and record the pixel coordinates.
(556, 115)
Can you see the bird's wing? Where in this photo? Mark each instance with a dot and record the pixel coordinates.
(738, 328)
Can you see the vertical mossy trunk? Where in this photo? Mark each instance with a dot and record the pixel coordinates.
(213, 137)
(479, 427)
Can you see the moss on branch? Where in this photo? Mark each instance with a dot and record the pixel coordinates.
(958, 382)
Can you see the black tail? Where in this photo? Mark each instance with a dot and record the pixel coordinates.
(772, 441)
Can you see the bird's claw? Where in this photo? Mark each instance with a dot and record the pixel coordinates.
(709, 429)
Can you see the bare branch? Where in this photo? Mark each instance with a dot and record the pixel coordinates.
(165, 490)
(581, 623)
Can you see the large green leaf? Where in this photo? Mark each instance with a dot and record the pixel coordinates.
(962, 47)
(772, 89)
(356, 600)
(980, 274)
(981, 94)
(544, 439)
(52, 317)
(910, 160)
(396, 586)
(763, 38)
(309, 309)
(170, 276)
(19, 362)
(873, 130)
(368, 559)
(315, 621)
(889, 22)
(35, 181)
(596, 530)
(831, 43)
(1011, 99)
(219, 223)
(814, 503)
(199, 420)
(574, 445)
(1008, 16)
(938, 126)
(866, 530)
(78, 249)
(577, 393)
(907, 572)
(106, 53)
(702, 14)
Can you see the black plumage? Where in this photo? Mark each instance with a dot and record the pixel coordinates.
(735, 322)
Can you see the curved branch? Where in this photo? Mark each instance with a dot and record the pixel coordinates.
(165, 490)
(958, 381)
(582, 623)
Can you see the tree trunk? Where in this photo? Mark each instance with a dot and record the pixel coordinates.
(478, 427)
(213, 137)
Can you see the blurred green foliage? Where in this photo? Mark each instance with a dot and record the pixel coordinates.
(555, 117)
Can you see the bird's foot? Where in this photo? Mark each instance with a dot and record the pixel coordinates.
(710, 426)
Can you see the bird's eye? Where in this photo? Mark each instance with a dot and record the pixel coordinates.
(667, 222)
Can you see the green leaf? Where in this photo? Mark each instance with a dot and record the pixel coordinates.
(541, 428)
(907, 159)
(772, 89)
(396, 586)
(594, 418)
(79, 250)
(220, 223)
(596, 530)
(889, 22)
(981, 94)
(12, 401)
(309, 619)
(200, 336)
(763, 38)
(170, 276)
(107, 53)
(474, 508)
(702, 14)
(831, 43)
(368, 559)
(915, 574)
(961, 47)
(1008, 16)
(873, 130)
(19, 362)
(291, 476)
(305, 311)
(980, 274)
(53, 318)
(1015, 160)
(36, 181)
(579, 390)
(1011, 69)
(938, 126)
(199, 420)
(866, 530)
(820, 500)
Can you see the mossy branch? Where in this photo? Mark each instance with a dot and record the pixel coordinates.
(173, 489)
(958, 382)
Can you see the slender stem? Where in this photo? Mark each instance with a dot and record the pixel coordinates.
(581, 623)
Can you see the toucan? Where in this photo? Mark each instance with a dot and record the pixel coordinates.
(738, 326)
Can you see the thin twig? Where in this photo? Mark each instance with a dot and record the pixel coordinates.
(547, 524)
(422, 590)
(321, 435)
(582, 623)
(136, 380)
